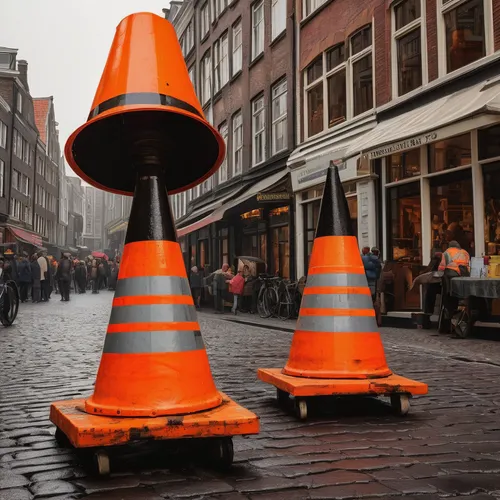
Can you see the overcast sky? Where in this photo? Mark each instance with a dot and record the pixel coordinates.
(66, 43)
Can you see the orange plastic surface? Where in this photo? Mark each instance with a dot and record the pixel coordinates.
(299, 386)
(85, 430)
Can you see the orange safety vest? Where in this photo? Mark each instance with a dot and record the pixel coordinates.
(453, 258)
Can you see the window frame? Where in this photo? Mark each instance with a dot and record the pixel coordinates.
(258, 5)
(234, 150)
(236, 29)
(284, 117)
(224, 132)
(396, 35)
(346, 66)
(206, 70)
(19, 102)
(261, 132)
(317, 5)
(276, 7)
(204, 20)
(3, 135)
(2, 178)
(444, 8)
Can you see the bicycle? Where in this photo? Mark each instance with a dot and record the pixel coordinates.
(289, 300)
(268, 299)
(9, 301)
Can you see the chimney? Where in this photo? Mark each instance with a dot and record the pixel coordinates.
(22, 67)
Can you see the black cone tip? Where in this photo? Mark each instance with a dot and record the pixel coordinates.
(334, 216)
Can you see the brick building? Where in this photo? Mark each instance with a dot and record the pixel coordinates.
(240, 57)
(404, 96)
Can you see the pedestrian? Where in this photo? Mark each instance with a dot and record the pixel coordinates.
(114, 269)
(24, 273)
(64, 277)
(373, 268)
(196, 283)
(44, 281)
(81, 277)
(237, 284)
(219, 287)
(54, 264)
(36, 292)
(101, 275)
(94, 276)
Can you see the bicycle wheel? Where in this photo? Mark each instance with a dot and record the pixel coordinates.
(285, 305)
(10, 304)
(261, 304)
(271, 301)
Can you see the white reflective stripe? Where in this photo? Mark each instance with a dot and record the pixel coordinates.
(337, 301)
(337, 324)
(157, 313)
(152, 285)
(336, 279)
(154, 341)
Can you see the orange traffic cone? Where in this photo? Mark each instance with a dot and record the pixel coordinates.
(154, 380)
(336, 348)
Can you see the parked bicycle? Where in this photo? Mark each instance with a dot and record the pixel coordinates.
(268, 298)
(278, 298)
(289, 300)
(9, 301)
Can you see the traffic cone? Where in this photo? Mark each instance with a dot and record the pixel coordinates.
(154, 380)
(336, 348)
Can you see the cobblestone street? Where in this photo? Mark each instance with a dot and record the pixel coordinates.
(449, 445)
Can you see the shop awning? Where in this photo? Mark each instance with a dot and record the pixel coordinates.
(121, 226)
(421, 126)
(26, 236)
(218, 213)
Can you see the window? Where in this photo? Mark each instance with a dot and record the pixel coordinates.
(257, 28)
(187, 39)
(15, 208)
(204, 21)
(3, 135)
(192, 75)
(310, 6)
(221, 63)
(206, 78)
(464, 26)
(258, 131)
(489, 143)
(2, 178)
(237, 48)
(403, 165)
(279, 117)
(450, 153)
(25, 186)
(341, 81)
(223, 168)
(16, 179)
(19, 102)
(237, 141)
(407, 23)
(278, 17)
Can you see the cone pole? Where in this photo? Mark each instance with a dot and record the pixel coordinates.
(336, 348)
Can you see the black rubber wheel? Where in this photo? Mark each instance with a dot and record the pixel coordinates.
(62, 440)
(222, 453)
(282, 397)
(102, 463)
(10, 304)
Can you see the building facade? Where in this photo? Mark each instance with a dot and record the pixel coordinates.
(404, 97)
(116, 214)
(76, 205)
(93, 217)
(240, 58)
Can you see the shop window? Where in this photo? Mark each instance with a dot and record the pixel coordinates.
(491, 176)
(280, 241)
(489, 142)
(224, 250)
(450, 153)
(403, 165)
(452, 210)
(204, 261)
(465, 33)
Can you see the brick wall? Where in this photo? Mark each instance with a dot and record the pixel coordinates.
(432, 43)
(6, 90)
(382, 23)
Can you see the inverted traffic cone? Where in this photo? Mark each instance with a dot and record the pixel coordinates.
(154, 379)
(336, 347)
(145, 84)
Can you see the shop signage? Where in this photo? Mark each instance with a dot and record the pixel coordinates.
(414, 142)
(311, 174)
(273, 197)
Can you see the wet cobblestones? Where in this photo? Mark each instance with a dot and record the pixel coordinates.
(448, 446)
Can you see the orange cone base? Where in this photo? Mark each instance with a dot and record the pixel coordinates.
(301, 386)
(86, 431)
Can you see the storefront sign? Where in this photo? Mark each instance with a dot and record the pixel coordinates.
(414, 142)
(273, 197)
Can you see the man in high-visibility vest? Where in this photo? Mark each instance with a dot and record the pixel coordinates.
(454, 263)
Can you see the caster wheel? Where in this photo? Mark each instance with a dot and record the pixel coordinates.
(282, 397)
(101, 460)
(222, 453)
(62, 440)
(400, 404)
(301, 409)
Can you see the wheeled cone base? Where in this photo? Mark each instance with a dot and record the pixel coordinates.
(399, 389)
(79, 429)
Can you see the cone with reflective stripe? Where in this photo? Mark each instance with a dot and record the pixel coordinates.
(336, 347)
(145, 84)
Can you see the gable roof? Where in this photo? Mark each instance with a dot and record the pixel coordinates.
(42, 106)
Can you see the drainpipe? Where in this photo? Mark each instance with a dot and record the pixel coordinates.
(12, 127)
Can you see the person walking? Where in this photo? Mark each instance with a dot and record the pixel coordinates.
(94, 276)
(196, 283)
(81, 277)
(373, 268)
(237, 284)
(63, 277)
(219, 287)
(44, 282)
(24, 273)
(36, 287)
(113, 275)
